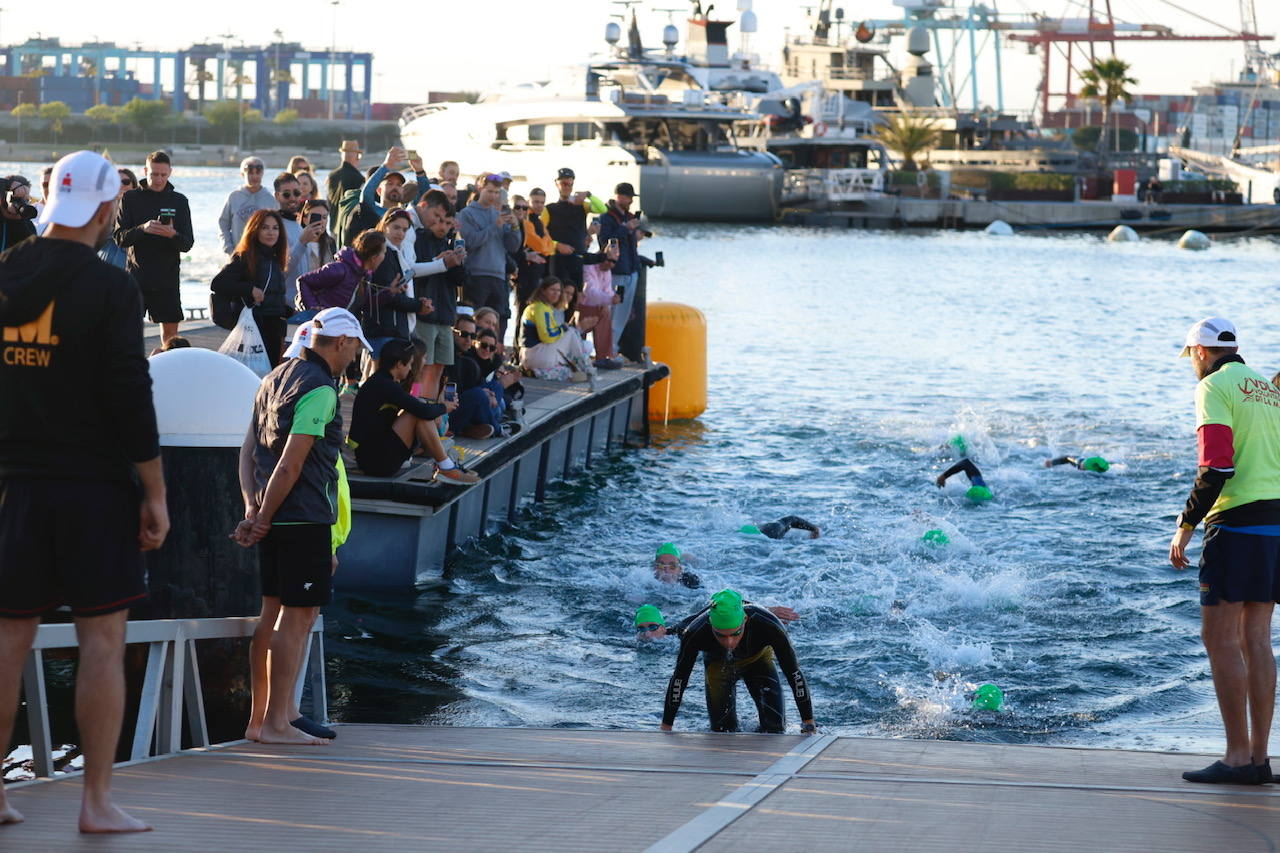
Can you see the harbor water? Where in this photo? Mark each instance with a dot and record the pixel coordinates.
(839, 364)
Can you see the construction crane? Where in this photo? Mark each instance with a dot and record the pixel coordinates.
(1064, 34)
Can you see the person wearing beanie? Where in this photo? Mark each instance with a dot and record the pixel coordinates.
(739, 641)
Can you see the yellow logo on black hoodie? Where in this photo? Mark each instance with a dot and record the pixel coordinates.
(31, 344)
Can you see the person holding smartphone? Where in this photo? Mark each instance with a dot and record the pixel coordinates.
(153, 225)
(621, 227)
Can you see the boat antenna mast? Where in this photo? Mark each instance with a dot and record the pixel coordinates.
(670, 34)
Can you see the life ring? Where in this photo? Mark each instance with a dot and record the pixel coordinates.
(820, 128)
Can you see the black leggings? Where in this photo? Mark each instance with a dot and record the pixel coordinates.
(761, 677)
(273, 330)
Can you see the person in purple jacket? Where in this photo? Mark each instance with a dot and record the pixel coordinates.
(345, 282)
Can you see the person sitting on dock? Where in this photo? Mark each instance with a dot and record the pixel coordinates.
(778, 529)
(739, 640)
(387, 422)
(479, 412)
(289, 479)
(1096, 464)
(978, 491)
(551, 349)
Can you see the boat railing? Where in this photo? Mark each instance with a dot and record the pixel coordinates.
(414, 112)
(832, 185)
(171, 687)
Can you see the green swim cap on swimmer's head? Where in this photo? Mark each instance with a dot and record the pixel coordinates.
(988, 697)
(935, 538)
(668, 549)
(957, 441)
(647, 614)
(1096, 464)
(726, 610)
(750, 530)
(979, 494)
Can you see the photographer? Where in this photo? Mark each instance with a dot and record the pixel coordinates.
(17, 216)
(154, 226)
(621, 227)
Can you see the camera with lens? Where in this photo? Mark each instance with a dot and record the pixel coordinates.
(15, 190)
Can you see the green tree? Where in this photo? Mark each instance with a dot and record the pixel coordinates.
(22, 111)
(102, 114)
(911, 135)
(145, 116)
(54, 112)
(286, 117)
(225, 117)
(1107, 80)
(1086, 138)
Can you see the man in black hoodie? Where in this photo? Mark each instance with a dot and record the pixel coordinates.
(81, 487)
(431, 242)
(154, 227)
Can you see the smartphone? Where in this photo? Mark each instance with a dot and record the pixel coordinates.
(612, 244)
(459, 244)
(166, 219)
(411, 154)
(451, 391)
(314, 218)
(658, 260)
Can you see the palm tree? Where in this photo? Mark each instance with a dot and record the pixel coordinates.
(1106, 80)
(910, 135)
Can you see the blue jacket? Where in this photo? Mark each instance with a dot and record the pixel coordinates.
(613, 225)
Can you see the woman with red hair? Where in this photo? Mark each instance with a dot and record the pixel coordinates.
(256, 275)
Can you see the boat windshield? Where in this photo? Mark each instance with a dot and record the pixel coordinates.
(678, 134)
(829, 156)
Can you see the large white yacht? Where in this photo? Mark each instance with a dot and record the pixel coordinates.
(637, 117)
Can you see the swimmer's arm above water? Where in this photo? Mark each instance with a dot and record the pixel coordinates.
(1062, 460)
(964, 465)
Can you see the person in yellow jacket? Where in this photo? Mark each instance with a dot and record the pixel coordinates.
(552, 349)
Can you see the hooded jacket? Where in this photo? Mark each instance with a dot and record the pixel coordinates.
(441, 288)
(341, 283)
(487, 242)
(75, 386)
(153, 260)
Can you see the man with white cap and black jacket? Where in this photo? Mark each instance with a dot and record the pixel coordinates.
(81, 488)
(1237, 495)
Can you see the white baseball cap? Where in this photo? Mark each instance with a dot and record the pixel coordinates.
(331, 322)
(78, 186)
(1210, 332)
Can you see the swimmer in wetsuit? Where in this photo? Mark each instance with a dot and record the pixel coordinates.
(778, 529)
(652, 625)
(1084, 463)
(739, 640)
(978, 491)
(669, 568)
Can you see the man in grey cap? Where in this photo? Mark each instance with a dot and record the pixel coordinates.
(1237, 495)
(244, 202)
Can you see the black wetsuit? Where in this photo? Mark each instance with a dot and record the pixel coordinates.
(763, 640)
(970, 470)
(778, 529)
(1077, 461)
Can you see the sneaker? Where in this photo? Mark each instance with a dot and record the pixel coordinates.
(456, 477)
(509, 429)
(311, 727)
(1218, 773)
(608, 364)
(478, 431)
(1263, 773)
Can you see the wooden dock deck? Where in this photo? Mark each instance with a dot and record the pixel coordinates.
(399, 788)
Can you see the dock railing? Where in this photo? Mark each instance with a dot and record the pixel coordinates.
(171, 686)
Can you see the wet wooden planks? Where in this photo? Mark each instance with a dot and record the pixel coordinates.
(426, 788)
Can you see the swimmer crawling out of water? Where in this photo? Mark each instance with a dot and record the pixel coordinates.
(650, 624)
(739, 641)
(979, 491)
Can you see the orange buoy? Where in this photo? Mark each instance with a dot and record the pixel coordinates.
(677, 336)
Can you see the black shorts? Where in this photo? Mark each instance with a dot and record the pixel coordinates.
(382, 455)
(1239, 567)
(163, 304)
(72, 542)
(296, 564)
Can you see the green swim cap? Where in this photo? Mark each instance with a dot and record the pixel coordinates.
(726, 610)
(1096, 463)
(647, 614)
(668, 549)
(958, 442)
(979, 494)
(750, 530)
(988, 697)
(935, 537)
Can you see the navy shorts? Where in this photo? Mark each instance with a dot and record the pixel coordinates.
(296, 563)
(1239, 567)
(72, 542)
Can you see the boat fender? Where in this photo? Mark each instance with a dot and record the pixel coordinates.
(1123, 234)
(820, 128)
(1195, 241)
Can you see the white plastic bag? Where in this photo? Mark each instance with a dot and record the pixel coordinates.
(244, 344)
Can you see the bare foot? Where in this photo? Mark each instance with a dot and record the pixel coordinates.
(8, 814)
(109, 819)
(289, 735)
(253, 733)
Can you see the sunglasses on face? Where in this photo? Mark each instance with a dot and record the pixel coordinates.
(486, 347)
(463, 334)
(521, 207)
(125, 182)
(291, 194)
(667, 567)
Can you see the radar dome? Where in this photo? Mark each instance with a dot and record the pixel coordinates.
(613, 32)
(748, 24)
(670, 35)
